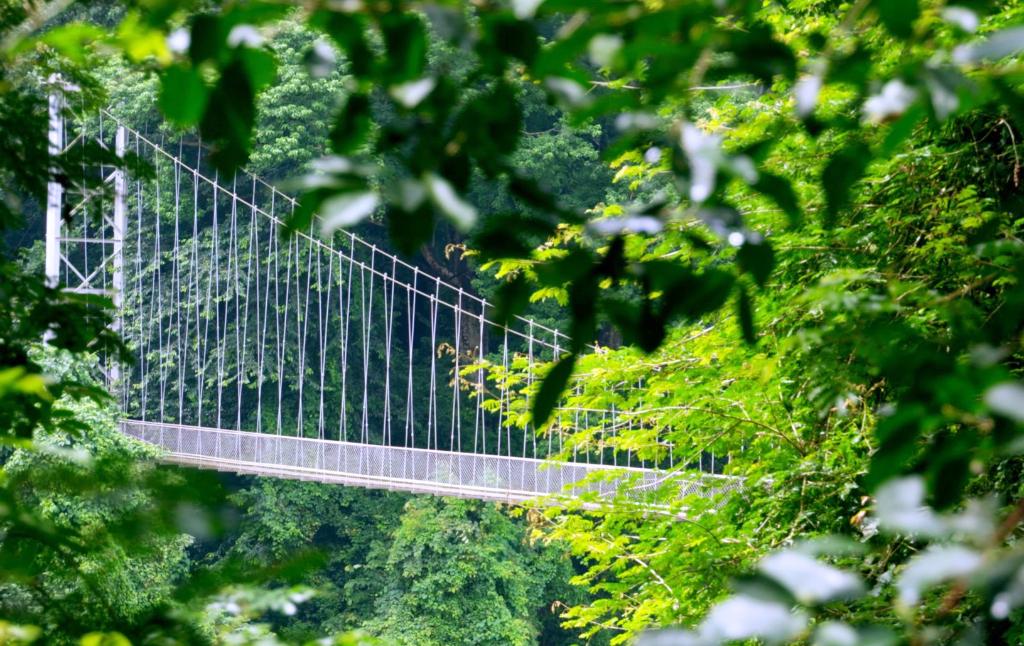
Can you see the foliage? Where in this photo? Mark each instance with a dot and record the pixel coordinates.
(87, 487)
(836, 183)
(452, 558)
(93, 537)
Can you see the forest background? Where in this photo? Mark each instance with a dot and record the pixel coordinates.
(797, 224)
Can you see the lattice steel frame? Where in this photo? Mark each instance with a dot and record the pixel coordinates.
(107, 240)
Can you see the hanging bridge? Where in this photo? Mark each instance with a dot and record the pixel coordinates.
(298, 355)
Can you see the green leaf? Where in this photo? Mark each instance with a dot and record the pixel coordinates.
(691, 296)
(761, 586)
(837, 633)
(410, 229)
(757, 52)
(1007, 399)
(229, 118)
(902, 128)
(810, 581)
(583, 295)
(406, 42)
(412, 93)
(568, 268)
(898, 16)
(347, 209)
(757, 258)
(491, 124)
(348, 31)
(461, 213)
(73, 40)
(897, 436)
(510, 235)
(937, 564)
(183, 95)
(206, 38)
(745, 311)
(751, 619)
(320, 59)
(998, 45)
(260, 65)
(105, 639)
(551, 389)
(351, 125)
(948, 465)
(781, 192)
(842, 171)
(512, 298)
(504, 35)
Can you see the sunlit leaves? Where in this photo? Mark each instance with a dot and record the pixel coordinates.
(140, 41)
(17, 633)
(105, 639)
(72, 40)
(874, 81)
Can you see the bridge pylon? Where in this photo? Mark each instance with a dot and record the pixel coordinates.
(85, 231)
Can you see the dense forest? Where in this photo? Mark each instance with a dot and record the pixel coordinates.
(785, 237)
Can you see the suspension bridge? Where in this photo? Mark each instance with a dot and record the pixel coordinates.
(304, 356)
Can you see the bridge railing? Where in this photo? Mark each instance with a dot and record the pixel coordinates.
(450, 473)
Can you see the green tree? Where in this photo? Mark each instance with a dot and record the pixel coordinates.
(457, 572)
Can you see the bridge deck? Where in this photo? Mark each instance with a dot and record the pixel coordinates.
(446, 473)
